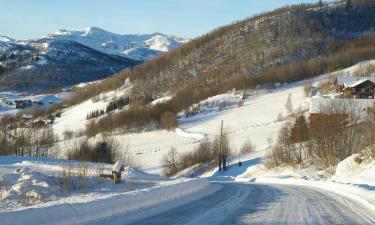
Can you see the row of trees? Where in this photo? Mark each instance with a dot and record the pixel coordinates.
(27, 142)
(118, 103)
(105, 151)
(95, 114)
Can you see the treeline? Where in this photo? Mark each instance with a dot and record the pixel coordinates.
(117, 103)
(134, 119)
(95, 114)
(27, 142)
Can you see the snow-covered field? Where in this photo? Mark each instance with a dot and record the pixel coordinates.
(29, 181)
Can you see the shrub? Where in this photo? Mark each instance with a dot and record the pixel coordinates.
(284, 152)
(326, 87)
(169, 121)
(68, 134)
(74, 178)
(307, 89)
(207, 151)
(247, 147)
(102, 152)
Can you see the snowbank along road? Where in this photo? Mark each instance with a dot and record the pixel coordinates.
(246, 203)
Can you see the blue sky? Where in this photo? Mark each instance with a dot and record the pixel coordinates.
(23, 19)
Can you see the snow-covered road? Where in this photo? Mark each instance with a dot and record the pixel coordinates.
(246, 203)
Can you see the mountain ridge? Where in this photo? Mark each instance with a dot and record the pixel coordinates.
(56, 60)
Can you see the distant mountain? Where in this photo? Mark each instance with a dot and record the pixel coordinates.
(5, 39)
(71, 57)
(137, 47)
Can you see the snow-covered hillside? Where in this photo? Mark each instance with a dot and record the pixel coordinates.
(257, 118)
(139, 46)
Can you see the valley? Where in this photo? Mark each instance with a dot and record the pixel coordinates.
(267, 120)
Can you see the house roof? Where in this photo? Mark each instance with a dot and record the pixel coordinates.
(118, 166)
(360, 82)
(348, 81)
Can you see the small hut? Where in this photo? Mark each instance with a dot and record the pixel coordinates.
(118, 168)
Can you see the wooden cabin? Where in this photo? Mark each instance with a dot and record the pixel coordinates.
(362, 89)
(355, 87)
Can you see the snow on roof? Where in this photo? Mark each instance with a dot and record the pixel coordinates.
(348, 81)
(359, 82)
(340, 105)
(119, 166)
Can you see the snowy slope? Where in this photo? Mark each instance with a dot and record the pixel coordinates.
(258, 123)
(75, 118)
(255, 118)
(138, 47)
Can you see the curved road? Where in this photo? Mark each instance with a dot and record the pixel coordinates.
(239, 203)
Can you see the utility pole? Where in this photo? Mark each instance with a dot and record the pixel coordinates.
(222, 154)
(220, 146)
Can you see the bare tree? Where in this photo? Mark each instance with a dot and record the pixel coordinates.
(171, 162)
(247, 147)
